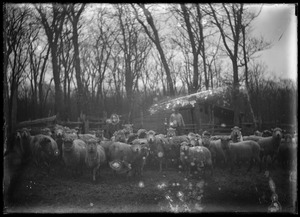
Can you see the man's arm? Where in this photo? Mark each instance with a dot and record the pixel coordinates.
(183, 124)
(171, 118)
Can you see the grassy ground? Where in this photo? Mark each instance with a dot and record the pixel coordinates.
(169, 191)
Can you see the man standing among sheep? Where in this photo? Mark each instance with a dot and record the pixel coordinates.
(176, 121)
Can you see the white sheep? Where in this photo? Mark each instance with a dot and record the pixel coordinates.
(236, 134)
(252, 137)
(74, 151)
(269, 145)
(241, 151)
(198, 156)
(217, 152)
(156, 143)
(94, 157)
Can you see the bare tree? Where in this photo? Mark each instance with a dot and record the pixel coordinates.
(52, 19)
(74, 13)
(38, 55)
(195, 49)
(103, 42)
(66, 59)
(135, 48)
(17, 35)
(229, 24)
(154, 37)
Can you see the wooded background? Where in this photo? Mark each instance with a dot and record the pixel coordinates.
(99, 59)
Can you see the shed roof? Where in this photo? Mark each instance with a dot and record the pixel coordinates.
(191, 99)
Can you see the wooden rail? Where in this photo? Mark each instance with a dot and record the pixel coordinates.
(41, 121)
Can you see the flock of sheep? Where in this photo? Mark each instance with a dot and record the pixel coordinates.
(128, 152)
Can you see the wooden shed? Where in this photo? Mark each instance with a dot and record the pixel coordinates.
(206, 110)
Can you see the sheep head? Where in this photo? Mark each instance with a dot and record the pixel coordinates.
(150, 136)
(171, 132)
(225, 142)
(236, 134)
(91, 146)
(67, 144)
(277, 133)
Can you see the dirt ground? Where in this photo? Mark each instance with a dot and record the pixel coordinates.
(169, 191)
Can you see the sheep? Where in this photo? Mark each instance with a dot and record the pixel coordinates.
(58, 136)
(74, 152)
(85, 137)
(258, 133)
(171, 135)
(140, 161)
(217, 152)
(123, 156)
(94, 157)
(119, 136)
(206, 137)
(156, 143)
(128, 128)
(269, 145)
(16, 159)
(131, 137)
(106, 145)
(217, 137)
(252, 137)
(142, 133)
(198, 156)
(287, 151)
(241, 151)
(46, 131)
(172, 147)
(266, 133)
(236, 134)
(100, 135)
(43, 149)
(195, 139)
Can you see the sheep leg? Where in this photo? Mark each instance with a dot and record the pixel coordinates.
(160, 165)
(166, 163)
(142, 168)
(188, 171)
(232, 166)
(250, 166)
(274, 157)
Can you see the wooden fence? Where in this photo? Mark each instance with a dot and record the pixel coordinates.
(154, 122)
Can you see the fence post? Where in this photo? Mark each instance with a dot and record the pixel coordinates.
(197, 117)
(86, 126)
(142, 119)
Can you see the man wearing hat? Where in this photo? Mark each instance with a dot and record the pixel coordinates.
(176, 121)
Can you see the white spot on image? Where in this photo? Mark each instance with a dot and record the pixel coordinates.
(141, 184)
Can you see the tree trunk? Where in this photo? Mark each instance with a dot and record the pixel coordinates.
(41, 99)
(202, 47)
(81, 96)
(246, 79)
(58, 91)
(12, 112)
(156, 40)
(194, 50)
(235, 93)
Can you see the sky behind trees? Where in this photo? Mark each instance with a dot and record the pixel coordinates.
(279, 23)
